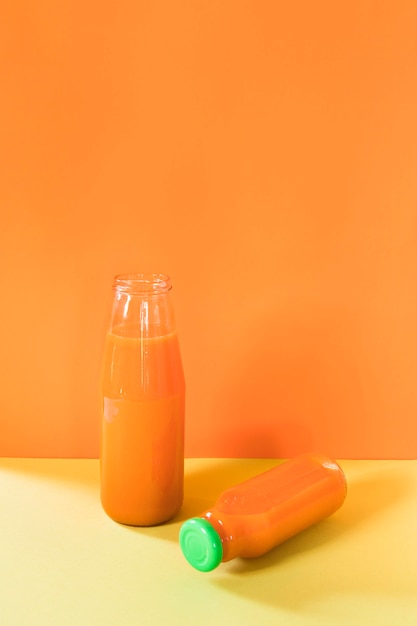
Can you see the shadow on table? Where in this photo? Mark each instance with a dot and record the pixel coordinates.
(366, 497)
(77, 472)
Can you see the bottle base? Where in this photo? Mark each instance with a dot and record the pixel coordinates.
(143, 521)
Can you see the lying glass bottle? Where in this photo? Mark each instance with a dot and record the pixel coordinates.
(253, 517)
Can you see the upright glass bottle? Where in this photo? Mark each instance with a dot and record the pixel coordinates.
(143, 394)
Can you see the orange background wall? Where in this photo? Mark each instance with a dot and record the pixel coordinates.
(262, 153)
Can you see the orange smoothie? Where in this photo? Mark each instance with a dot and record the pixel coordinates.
(142, 436)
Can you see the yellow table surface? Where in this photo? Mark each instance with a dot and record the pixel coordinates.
(63, 561)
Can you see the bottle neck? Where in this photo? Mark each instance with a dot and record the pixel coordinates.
(229, 531)
(142, 306)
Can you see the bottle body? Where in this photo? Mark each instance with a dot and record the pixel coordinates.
(250, 519)
(143, 398)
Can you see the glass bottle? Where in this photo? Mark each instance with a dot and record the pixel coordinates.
(258, 514)
(143, 397)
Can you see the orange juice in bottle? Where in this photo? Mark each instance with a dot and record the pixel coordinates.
(143, 395)
(253, 517)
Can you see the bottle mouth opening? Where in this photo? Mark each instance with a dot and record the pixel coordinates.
(142, 283)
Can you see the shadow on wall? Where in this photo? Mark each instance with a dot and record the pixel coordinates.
(298, 388)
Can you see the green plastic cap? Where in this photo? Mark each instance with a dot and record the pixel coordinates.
(201, 544)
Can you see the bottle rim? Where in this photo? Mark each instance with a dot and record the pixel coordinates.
(143, 283)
